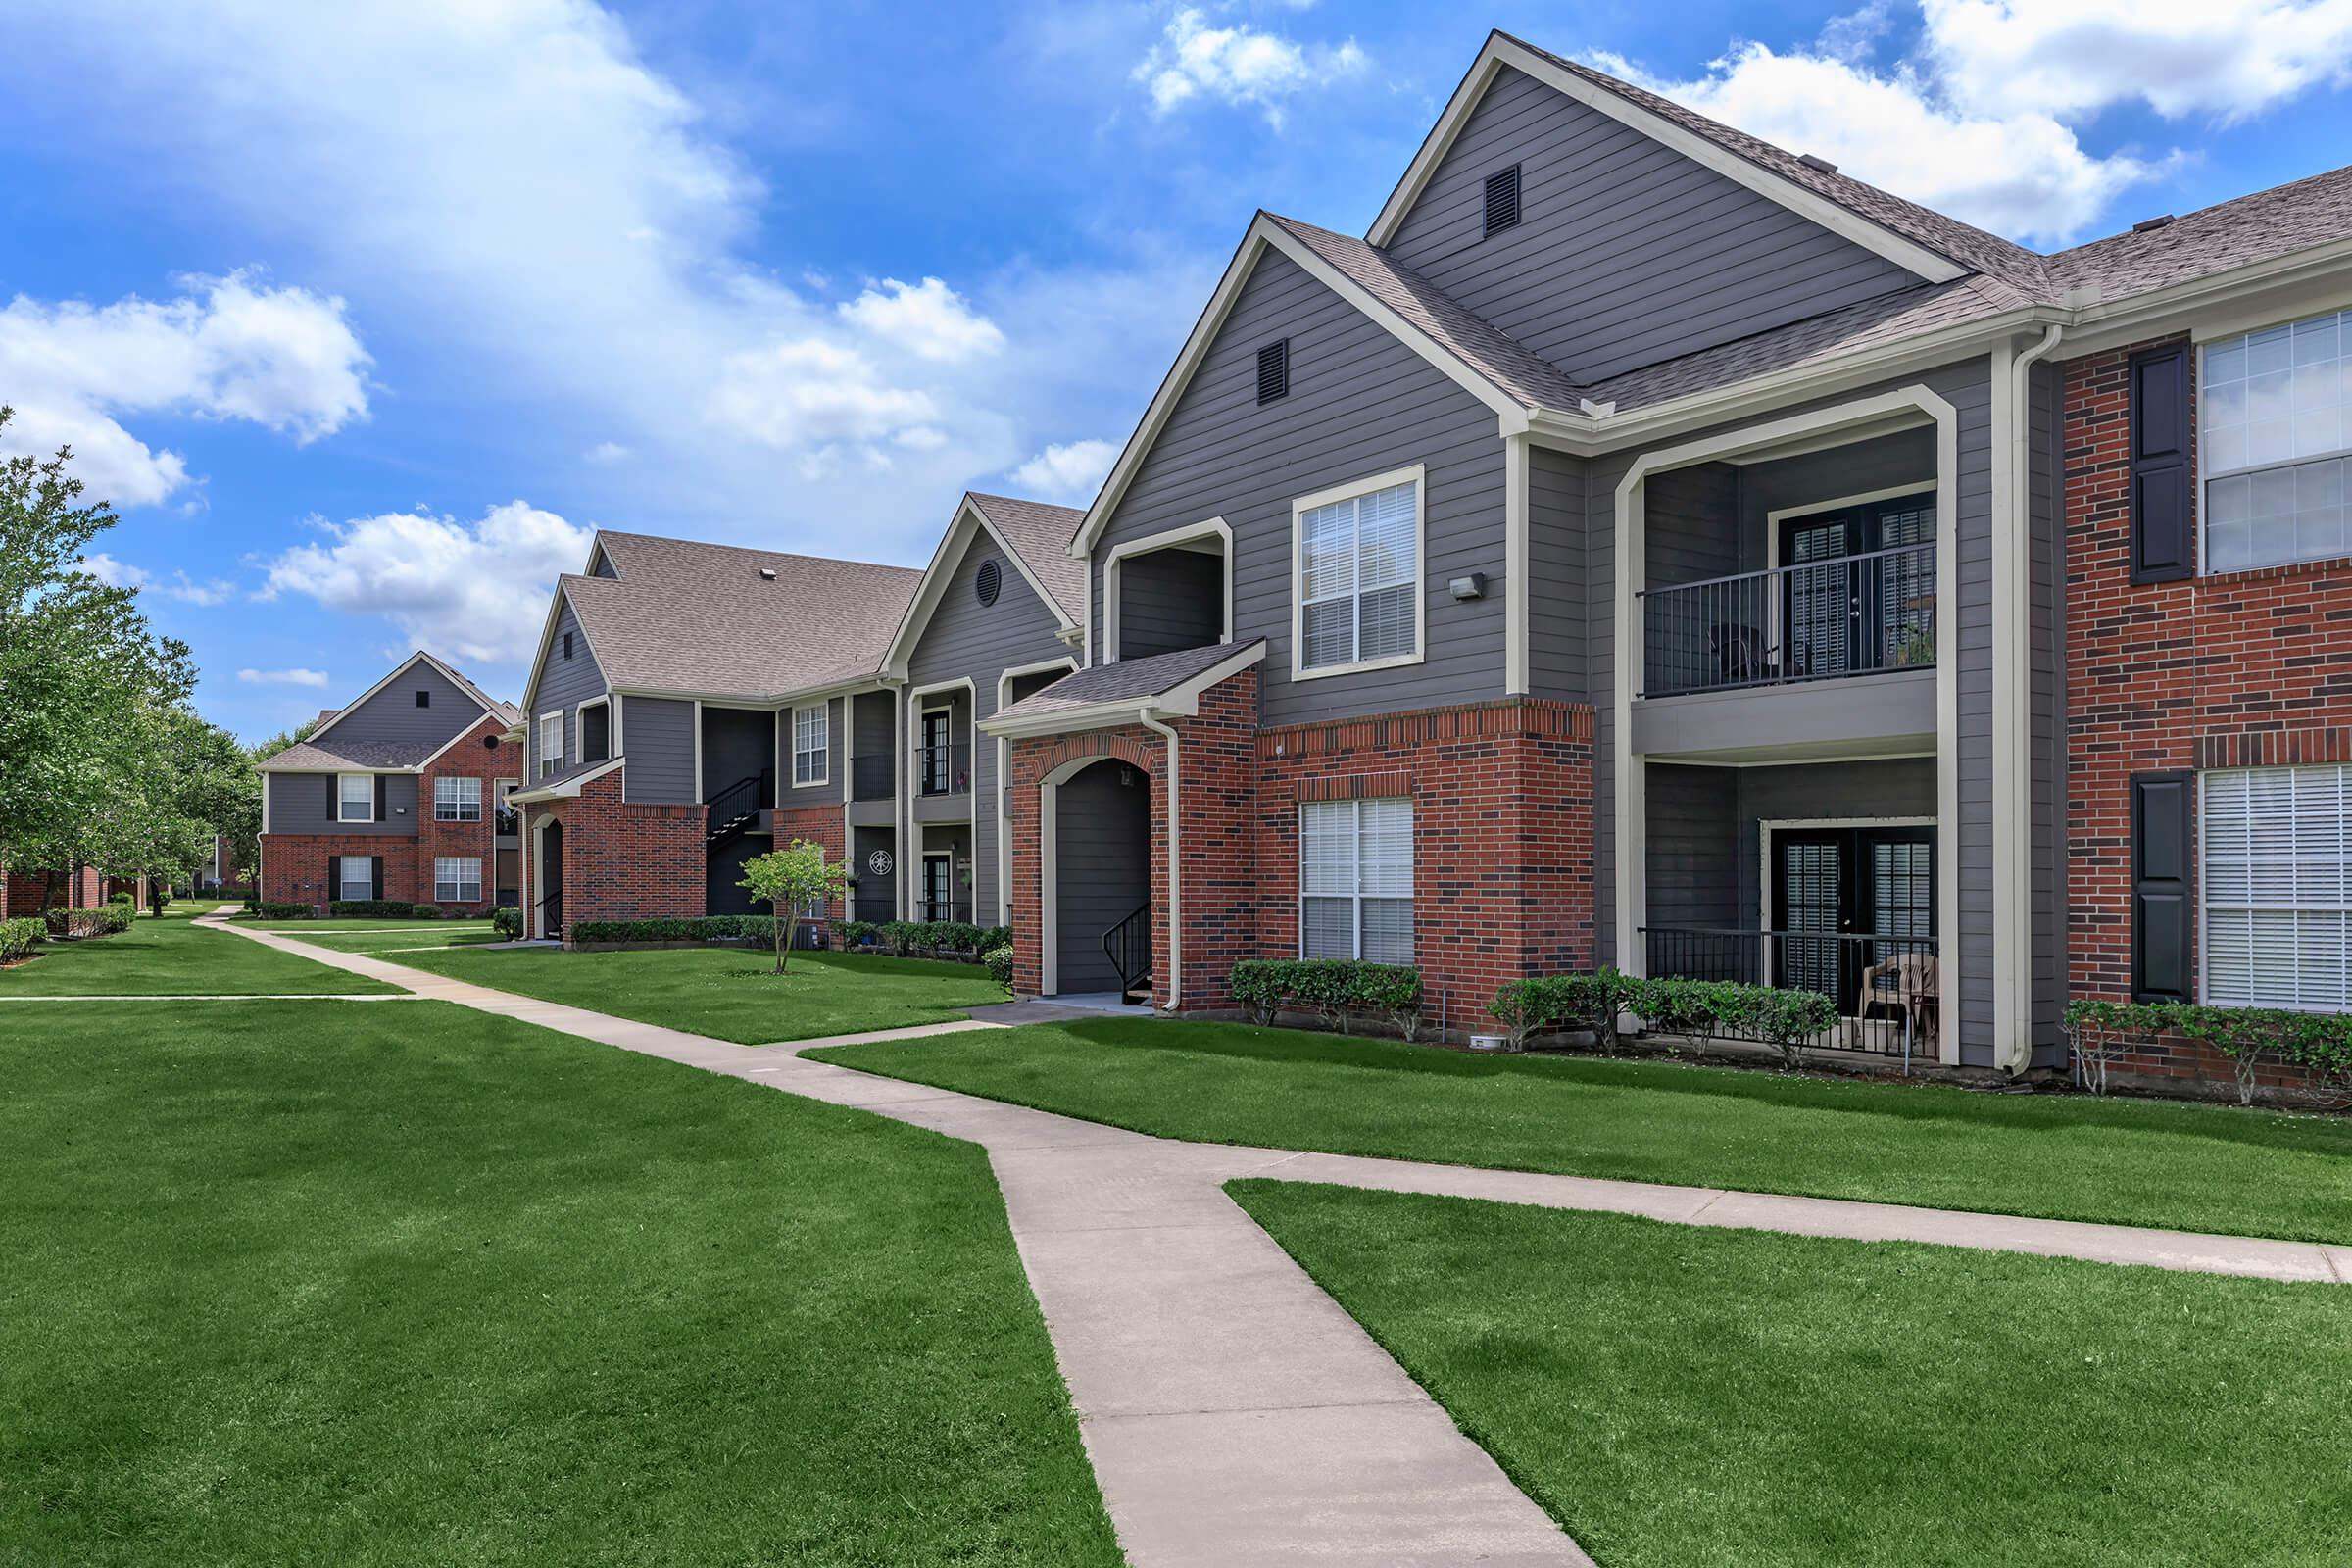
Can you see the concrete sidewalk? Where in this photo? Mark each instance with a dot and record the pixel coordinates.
(1232, 1412)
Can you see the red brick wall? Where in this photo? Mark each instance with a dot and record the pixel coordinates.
(2249, 668)
(824, 825)
(26, 891)
(622, 860)
(296, 869)
(1502, 830)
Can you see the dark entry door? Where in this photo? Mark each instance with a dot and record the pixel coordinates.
(939, 724)
(551, 871)
(938, 875)
(1845, 883)
(1845, 604)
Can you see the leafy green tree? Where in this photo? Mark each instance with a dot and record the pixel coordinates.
(789, 881)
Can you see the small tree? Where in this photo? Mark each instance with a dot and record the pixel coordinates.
(788, 880)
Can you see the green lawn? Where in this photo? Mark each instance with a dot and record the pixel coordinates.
(1685, 1399)
(2135, 1162)
(730, 993)
(397, 939)
(174, 956)
(425, 1286)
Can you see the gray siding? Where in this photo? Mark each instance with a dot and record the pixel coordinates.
(1693, 525)
(1626, 253)
(305, 802)
(565, 683)
(657, 733)
(1103, 874)
(967, 639)
(1694, 849)
(1361, 403)
(876, 897)
(1556, 592)
(1906, 457)
(392, 715)
(1894, 787)
(1171, 599)
(837, 764)
(1967, 635)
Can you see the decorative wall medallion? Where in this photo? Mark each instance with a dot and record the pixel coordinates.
(879, 863)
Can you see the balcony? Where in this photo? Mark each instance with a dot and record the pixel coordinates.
(510, 822)
(943, 771)
(873, 777)
(1847, 615)
(1887, 988)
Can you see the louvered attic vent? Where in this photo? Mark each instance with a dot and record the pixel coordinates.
(1274, 370)
(1503, 199)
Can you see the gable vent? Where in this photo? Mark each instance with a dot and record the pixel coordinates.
(1274, 370)
(990, 583)
(1503, 199)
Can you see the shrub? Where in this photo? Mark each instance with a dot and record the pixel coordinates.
(20, 937)
(507, 922)
(853, 933)
(952, 935)
(1000, 965)
(282, 911)
(75, 924)
(1528, 1007)
(1701, 1008)
(899, 935)
(705, 928)
(993, 937)
(121, 897)
(370, 909)
(424, 911)
(1335, 990)
(1787, 1019)
(2252, 1038)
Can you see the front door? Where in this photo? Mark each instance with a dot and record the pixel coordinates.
(1869, 891)
(937, 757)
(936, 868)
(1846, 603)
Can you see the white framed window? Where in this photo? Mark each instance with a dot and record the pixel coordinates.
(457, 799)
(355, 877)
(551, 744)
(811, 745)
(1355, 880)
(2275, 881)
(2275, 443)
(355, 796)
(457, 878)
(1356, 576)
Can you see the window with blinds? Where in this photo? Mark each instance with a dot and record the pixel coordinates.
(1355, 880)
(1359, 571)
(811, 745)
(457, 799)
(2276, 857)
(457, 878)
(2276, 434)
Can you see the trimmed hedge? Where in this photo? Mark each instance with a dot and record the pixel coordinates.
(903, 937)
(701, 928)
(370, 910)
(1000, 965)
(75, 924)
(121, 897)
(507, 922)
(1788, 1020)
(1335, 990)
(2251, 1038)
(424, 911)
(20, 937)
(282, 911)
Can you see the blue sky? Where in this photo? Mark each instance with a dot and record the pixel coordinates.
(367, 313)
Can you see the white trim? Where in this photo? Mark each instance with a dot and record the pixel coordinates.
(1517, 553)
(465, 688)
(1416, 476)
(341, 802)
(1356, 897)
(1779, 514)
(538, 759)
(1049, 859)
(699, 796)
(481, 807)
(969, 519)
(457, 881)
(1629, 826)
(1767, 825)
(1174, 808)
(1212, 529)
(916, 710)
(570, 788)
(823, 707)
(535, 895)
(1181, 700)
(949, 856)
(1500, 51)
(579, 716)
(1005, 680)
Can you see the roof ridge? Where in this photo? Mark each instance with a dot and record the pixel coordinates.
(748, 550)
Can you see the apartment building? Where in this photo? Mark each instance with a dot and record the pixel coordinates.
(1643, 546)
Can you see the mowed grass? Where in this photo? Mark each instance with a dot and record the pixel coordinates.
(173, 956)
(732, 993)
(450, 933)
(296, 1283)
(2130, 1162)
(1681, 1397)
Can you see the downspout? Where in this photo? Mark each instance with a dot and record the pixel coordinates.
(1175, 863)
(2016, 1045)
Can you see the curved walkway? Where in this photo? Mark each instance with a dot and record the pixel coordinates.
(1232, 1412)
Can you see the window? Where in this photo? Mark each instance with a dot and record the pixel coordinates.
(355, 796)
(356, 877)
(811, 745)
(457, 879)
(2276, 885)
(1274, 370)
(1355, 880)
(1358, 576)
(2275, 430)
(551, 744)
(424, 699)
(457, 799)
(1503, 199)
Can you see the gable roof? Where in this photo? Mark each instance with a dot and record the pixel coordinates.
(1168, 683)
(2266, 224)
(1035, 534)
(353, 757)
(699, 619)
(328, 718)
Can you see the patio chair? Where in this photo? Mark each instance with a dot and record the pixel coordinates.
(1905, 987)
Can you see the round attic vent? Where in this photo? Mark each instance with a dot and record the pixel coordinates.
(489, 742)
(991, 583)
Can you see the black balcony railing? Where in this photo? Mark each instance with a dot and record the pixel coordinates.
(875, 909)
(943, 771)
(873, 777)
(1847, 615)
(510, 821)
(942, 909)
(1887, 988)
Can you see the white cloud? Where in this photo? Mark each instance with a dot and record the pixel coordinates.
(285, 359)
(1068, 472)
(2229, 59)
(180, 585)
(928, 320)
(1238, 65)
(813, 394)
(473, 592)
(605, 452)
(282, 677)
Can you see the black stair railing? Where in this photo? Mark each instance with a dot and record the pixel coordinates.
(1128, 947)
(737, 806)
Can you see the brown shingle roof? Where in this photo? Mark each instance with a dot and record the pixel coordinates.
(1040, 534)
(686, 617)
(2268, 224)
(336, 752)
(1128, 681)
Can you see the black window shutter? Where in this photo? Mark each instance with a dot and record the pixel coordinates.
(2162, 509)
(380, 797)
(376, 876)
(334, 876)
(2163, 844)
(334, 797)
